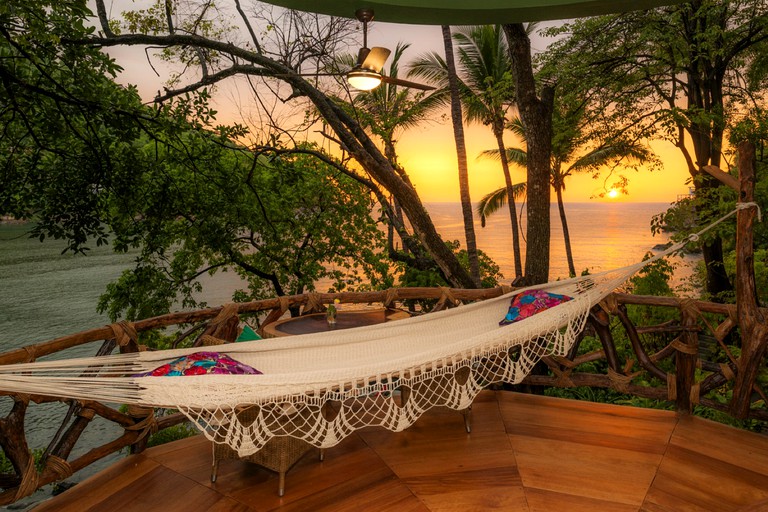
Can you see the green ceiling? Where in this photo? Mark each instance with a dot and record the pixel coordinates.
(470, 12)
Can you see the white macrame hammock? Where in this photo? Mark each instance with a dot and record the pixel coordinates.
(322, 387)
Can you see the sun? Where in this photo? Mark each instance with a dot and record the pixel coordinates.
(613, 193)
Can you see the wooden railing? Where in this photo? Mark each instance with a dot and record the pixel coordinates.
(663, 361)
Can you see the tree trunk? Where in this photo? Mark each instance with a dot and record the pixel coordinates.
(461, 156)
(566, 233)
(422, 224)
(536, 115)
(510, 202)
(754, 331)
(705, 78)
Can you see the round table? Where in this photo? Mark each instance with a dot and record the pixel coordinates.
(317, 322)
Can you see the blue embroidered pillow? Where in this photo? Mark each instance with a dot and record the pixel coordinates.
(529, 303)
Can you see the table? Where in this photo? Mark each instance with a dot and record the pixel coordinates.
(317, 322)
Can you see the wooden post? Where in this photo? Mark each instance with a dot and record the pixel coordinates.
(754, 334)
(685, 361)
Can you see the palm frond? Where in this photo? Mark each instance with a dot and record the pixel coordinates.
(603, 155)
(516, 127)
(515, 156)
(494, 201)
(430, 67)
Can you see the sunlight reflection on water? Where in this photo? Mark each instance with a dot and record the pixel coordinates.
(603, 235)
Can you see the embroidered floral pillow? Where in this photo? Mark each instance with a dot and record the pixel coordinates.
(529, 303)
(201, 363)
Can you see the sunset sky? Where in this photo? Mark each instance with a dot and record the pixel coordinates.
(428, 152)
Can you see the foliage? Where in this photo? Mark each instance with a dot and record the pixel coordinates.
(85, 159)
(6, 467)
(413, 277)
(204, 206)
(641, 66)
(5, 464)
(288, 60)
(174, 433)
(761, 271)
(676, 74)
(653, 279)
(599, 395)
(64, 120)
(686, 216)
(489, 270)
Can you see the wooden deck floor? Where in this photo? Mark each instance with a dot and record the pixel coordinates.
(525, 453)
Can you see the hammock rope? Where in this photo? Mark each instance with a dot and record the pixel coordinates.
(322, 387)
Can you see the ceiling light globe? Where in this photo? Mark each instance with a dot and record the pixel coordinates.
(363, 80)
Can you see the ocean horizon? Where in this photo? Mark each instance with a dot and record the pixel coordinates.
(41, 283)
(603, 235)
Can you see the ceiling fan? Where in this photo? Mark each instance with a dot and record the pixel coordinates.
(366, 74)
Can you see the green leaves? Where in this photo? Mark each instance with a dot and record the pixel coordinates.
(199, 205)
(64, 120)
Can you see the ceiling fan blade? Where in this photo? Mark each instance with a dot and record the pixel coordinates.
(407, 83)
(375, 58)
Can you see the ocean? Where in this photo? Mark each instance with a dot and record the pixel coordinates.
(45, 294)
(603, 235)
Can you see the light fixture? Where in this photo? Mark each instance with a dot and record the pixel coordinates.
(363, 79)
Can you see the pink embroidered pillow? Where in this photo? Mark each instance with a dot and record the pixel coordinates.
(201, 363)
(529, 303)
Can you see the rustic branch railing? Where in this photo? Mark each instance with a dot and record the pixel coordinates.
(683, 373)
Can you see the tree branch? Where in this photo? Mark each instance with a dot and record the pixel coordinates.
(722, 176)
(247, 23)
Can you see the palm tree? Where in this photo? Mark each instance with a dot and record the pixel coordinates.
(461, 156)
(567, 140)
(486, 87)
(387, 111)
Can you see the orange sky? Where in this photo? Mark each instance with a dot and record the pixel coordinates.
(428, 152)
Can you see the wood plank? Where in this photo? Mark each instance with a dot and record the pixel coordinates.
(377, 490)
(589, 471)
(187, 454)
(734, 446)
(624, 427)
(690, 480)
(541, 500)
(485, 489)
(93, 491)
(409, 456)
(161, 489)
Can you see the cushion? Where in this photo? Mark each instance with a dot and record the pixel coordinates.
(201, 363)
(529, 303)
(248, 334)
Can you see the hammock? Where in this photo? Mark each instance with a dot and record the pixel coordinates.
(322, 387)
